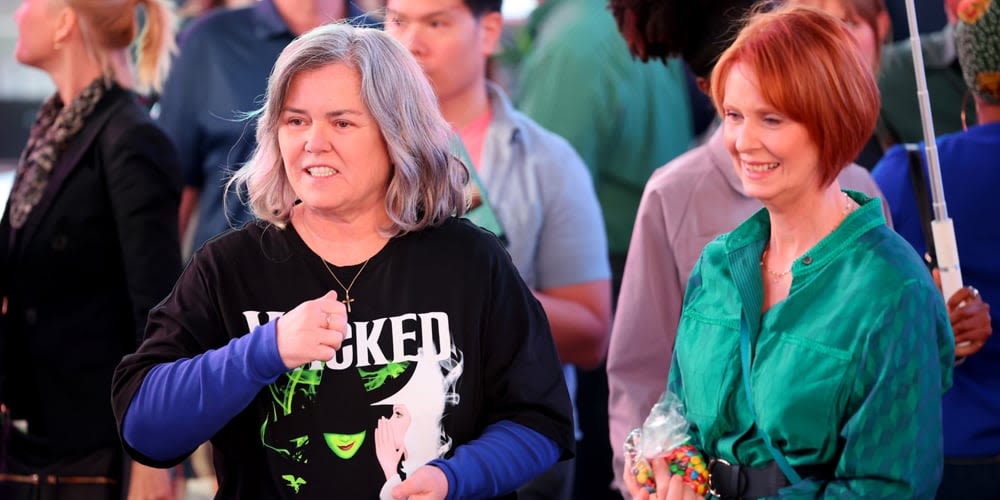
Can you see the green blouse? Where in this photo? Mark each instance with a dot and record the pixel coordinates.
(848, 370)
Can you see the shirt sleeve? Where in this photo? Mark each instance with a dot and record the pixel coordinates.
(893, 441)
(185, 325)
(522, 376)
(213, 387)
(144, 190)
(642, 339)
(506, 456)
(180, 105)
(572, 245)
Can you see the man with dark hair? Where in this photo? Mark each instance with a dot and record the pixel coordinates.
(534, 181)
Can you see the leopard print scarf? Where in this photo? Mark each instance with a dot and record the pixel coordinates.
(55, 126)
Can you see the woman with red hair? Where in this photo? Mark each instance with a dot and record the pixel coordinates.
(813, 346)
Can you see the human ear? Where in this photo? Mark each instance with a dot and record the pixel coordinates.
(490, 30)
(67, 22)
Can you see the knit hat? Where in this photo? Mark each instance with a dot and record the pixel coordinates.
(977, 39)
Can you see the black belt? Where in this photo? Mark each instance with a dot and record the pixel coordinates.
(728, 481)
(54, 479)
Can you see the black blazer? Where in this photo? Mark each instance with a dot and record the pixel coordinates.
(78, 278)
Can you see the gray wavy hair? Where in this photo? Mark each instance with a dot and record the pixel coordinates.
(427, 182)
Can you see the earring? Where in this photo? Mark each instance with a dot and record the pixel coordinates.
(965, 100)
(57, 45)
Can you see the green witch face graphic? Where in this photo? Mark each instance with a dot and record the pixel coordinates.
(325, 425)
(316, 442)
(345, 445)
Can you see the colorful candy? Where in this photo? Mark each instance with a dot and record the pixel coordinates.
(664, 434)
(644, 475)
(687, 462)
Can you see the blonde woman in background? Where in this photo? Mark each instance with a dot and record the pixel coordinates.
(88, 243)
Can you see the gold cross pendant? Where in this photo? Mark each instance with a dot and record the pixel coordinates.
(347, 301)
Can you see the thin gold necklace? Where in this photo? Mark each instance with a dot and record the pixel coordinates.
(347, 289)
(777, 277)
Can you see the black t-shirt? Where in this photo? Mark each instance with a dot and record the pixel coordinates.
(444, 339)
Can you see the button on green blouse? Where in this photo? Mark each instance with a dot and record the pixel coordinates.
(848, 370)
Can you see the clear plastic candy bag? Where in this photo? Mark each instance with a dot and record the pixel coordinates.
(665, 434)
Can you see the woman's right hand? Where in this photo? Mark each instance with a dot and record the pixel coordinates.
(668, 486)
(969, 317)
(312, 331)
(970, 321)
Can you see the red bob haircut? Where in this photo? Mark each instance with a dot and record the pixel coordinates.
(808, 66)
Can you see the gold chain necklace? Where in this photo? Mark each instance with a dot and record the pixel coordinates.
(776, 277)
(347, 289)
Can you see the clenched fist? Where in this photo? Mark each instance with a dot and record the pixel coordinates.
(312, 331)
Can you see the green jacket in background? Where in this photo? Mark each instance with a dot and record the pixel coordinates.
(847, 371)
(900, 120)
(625, 118)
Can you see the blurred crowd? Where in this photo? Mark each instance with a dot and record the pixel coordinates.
(273, 247)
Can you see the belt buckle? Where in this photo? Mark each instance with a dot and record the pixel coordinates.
(711, 465)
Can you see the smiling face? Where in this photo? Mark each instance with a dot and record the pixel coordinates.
(331, 146)
(773, 154)
(344, 445)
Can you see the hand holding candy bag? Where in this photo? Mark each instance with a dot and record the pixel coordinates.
(665, 434)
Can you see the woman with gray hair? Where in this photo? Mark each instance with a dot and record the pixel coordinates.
(283, 339)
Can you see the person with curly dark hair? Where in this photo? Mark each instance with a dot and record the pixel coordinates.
(696, 32)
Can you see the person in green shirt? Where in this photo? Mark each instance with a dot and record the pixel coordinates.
(625, 117)
(813, 347)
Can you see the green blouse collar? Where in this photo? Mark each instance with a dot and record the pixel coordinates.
(755, 231)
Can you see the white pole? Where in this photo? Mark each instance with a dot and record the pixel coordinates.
(942, 228)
